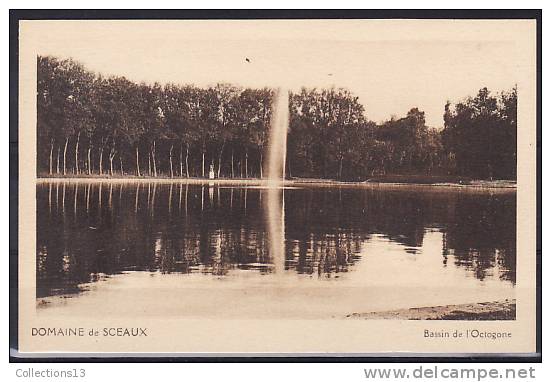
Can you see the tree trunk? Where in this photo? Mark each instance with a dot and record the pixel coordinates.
(120, 160)
(112, 154)
(57, 164)
(170, 157)
(203, 164)
(51, 157)
(89, 160)
(154, 161)
(340, 168)
(101, 160)
(246, 163)
(181, 163)
(220, 159)
(77, 170)
(138, 161)
(261, 175)
(187, 163)
(289, 168)
(232, 170)
(65, 156)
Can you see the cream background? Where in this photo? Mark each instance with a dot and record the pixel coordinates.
(289, 336)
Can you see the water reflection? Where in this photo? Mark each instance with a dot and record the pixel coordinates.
(86, 232)
(275, 223)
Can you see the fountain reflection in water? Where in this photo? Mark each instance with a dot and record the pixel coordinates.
(275, 202)
(275, 222)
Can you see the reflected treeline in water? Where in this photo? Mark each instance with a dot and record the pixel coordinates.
(482, 236)
(89, 231)
(479, 228)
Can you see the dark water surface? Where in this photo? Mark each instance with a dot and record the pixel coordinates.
(87, 232)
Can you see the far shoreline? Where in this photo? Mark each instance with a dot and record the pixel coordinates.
(391, 182)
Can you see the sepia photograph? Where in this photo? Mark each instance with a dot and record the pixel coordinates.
(277, 186)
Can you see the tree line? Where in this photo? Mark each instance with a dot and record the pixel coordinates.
(90, 124)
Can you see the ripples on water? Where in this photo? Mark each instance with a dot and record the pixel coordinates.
(86, 232)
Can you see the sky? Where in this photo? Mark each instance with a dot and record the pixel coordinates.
(392, 65)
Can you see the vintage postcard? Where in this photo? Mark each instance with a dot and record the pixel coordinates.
(279, 187)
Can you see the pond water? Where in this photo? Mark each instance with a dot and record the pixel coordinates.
(230, 251)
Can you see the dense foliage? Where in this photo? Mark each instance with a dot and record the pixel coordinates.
(480, 135)
(90, 124)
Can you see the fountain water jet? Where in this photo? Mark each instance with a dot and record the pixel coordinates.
(277, 149)
(275, 202)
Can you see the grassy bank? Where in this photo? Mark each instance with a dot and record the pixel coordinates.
(484, 311)
(439, 179)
